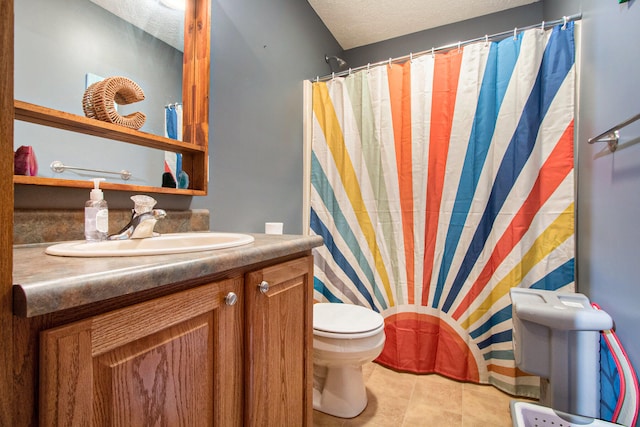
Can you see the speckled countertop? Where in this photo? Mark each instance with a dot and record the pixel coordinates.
(45, 284)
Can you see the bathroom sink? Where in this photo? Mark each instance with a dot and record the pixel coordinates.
(159, 245)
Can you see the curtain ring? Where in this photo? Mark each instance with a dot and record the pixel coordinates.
(564, 22)
(515, 33)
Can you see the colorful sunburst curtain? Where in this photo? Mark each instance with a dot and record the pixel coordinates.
(438, 185)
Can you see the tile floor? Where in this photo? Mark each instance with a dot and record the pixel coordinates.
(405, 400)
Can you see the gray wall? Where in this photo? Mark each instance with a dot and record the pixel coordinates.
(608, 206)
(261, 53)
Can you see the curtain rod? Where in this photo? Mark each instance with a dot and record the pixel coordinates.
(543, 24)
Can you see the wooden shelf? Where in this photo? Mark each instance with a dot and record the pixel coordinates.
(37, 114)
(57, 182)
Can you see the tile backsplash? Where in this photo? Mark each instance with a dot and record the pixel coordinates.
(54, 225)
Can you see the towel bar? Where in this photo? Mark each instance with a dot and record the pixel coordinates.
(59, 167)
(612, 135)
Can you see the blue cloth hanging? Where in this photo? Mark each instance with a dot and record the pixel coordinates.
(171, 120)
(173, 161)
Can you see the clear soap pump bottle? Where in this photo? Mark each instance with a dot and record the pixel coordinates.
(96, 214)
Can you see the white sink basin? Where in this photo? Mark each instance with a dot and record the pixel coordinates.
(159, 245)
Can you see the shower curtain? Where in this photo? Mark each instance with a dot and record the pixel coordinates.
(438, 185)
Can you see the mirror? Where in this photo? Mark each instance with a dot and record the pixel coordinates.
(61, 46)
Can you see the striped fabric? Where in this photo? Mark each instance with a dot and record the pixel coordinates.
(438, 185)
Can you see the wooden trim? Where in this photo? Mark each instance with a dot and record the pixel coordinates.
(7, 394)
(196, 76)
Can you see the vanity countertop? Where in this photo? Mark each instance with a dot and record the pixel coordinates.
(46, 284)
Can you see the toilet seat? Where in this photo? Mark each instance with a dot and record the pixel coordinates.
(345, 321)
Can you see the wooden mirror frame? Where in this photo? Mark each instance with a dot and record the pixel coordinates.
(195, 101)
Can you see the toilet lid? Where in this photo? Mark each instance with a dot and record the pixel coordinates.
(345, 318)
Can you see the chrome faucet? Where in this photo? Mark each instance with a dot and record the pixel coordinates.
(143, 219)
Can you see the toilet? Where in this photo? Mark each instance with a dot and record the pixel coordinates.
(345, 336)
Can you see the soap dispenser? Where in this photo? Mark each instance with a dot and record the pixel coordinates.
(96, 214)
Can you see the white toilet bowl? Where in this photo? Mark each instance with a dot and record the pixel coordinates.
(345, 337)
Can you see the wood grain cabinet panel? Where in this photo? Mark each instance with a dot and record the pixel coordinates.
(279, 367)
(173, 361)
(189, 359)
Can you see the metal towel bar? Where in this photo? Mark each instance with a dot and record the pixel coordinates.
(59, 167)
(612, 135)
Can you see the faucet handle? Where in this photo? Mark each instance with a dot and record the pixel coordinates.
(143, 204)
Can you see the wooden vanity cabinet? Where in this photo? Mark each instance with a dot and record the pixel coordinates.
(168, 361)
(279, 346)
(191, 358)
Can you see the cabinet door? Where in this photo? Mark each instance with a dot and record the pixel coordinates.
(279, 365)
(173, 361)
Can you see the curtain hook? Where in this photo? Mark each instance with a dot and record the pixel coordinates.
(515, 33)
(317, 79)
(459, 46)
(433, 52)
(333, 75)
(368, 65)
(564, 22)
(389, 61)
(542, 27)
(411, 57)
(349, 70)
(486, 40)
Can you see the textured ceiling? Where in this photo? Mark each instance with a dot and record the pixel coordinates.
(152, 17)
(356, 23)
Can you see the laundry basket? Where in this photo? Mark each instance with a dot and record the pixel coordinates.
(527, 414)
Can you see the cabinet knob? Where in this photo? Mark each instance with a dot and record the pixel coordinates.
(231, 298)
(264, 287)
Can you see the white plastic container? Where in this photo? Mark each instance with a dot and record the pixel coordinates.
(525, 414)
(556, 336)
(96, 214)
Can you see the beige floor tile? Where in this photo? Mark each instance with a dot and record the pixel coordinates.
(485, 404)
(407, 400)
(386, 382)
(424, 414)
(321, 419)
(382, 410)
(495, 421)
(367, 369)
(439, 392)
